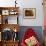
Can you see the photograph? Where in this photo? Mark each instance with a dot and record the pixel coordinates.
(29, 13)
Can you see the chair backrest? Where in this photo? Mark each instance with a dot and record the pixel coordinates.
(29, 32)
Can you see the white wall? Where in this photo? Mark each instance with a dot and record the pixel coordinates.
(7, 3)
(27, 4)
(39, 13)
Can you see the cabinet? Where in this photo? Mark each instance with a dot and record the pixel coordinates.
(9, 26)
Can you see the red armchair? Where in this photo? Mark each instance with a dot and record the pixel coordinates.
(28, 34)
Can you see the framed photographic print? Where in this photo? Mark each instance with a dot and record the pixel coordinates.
(29, 13)
(5, 12)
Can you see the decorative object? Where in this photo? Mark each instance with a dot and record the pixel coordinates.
(5, 12)
(30, 13)
(15, 34)
(15, 3)
(12, 12)
(6, 21)
(15, 30)
(15, 37)
(7, 34)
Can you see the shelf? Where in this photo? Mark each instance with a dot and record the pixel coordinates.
(10, 26)
(7, 15)
(9, 10)
(6, 12)
(11, 41)
(9, 19)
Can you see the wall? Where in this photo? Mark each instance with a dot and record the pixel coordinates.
(39, 13)
(6, 3)
(27, 4)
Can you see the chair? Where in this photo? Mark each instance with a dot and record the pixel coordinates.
(29, 33)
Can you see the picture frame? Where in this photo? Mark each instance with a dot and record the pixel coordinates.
(5, 12)
(29, 13)
(12, 12)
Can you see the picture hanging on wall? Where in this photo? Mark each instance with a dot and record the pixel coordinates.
(29, 13)
(5, 12)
